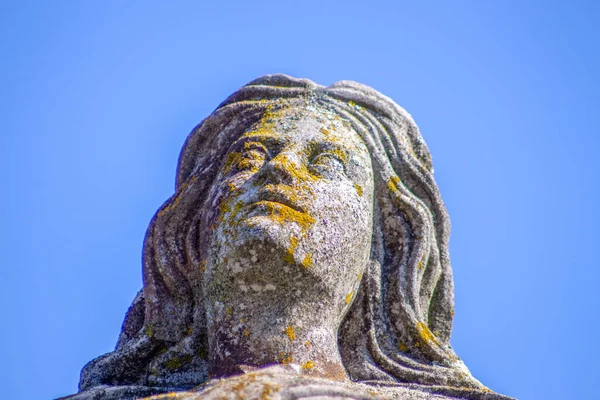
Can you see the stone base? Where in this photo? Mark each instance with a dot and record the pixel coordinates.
(116, 393)
(287, 382)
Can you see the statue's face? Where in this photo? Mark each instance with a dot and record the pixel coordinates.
(295, 201)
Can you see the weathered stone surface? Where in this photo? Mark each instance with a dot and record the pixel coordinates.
(303, 254)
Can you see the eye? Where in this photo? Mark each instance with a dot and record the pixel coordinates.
(329, 162)
(252, 157)
(255, 154)
(247, 157)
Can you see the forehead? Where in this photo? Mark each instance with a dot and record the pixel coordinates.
(309, 124)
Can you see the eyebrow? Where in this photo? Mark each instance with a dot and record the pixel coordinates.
(274, 141)
(323, 145)
(261, 138)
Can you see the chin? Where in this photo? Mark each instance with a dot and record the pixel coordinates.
(263, 230)
(254, 239)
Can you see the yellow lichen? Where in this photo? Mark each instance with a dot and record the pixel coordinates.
(307, 344)
(241, 387)
(285, 358)
(266, 125)
(249, 160)
(282, 213)
(308, 364)
(246, 332)
(348, 298)
(359, 189)
(299, 172)
(289, 331)
(232, 187)
(232, 160)
(229, 214)
(224, 208)
(393, 183)
(307, 262)
(289, 256)
(340, 154)
(267, 390)
(425, 334)
(402, 347)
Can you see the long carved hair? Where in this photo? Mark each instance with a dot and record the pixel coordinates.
(398, 328)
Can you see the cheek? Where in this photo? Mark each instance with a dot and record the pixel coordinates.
(341, 240)
(343, 212)
(225, 193)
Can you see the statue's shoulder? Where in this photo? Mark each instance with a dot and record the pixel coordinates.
(288, 382)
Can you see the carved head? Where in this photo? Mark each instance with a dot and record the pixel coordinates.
(290, 214)
(331, 184)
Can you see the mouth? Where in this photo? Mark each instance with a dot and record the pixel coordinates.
(270, 205)
(280, 213)
(280, 195)
(281, 204)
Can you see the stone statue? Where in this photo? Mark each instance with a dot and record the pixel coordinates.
(304, 253)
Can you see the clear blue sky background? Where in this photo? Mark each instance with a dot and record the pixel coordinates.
(98, 97)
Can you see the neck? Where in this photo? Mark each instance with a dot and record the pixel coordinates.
(259, 328)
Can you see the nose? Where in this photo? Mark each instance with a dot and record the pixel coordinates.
(286, 168)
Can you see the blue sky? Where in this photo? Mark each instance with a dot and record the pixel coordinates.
(98, 97)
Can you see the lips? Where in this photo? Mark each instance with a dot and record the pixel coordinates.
(281, 194)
